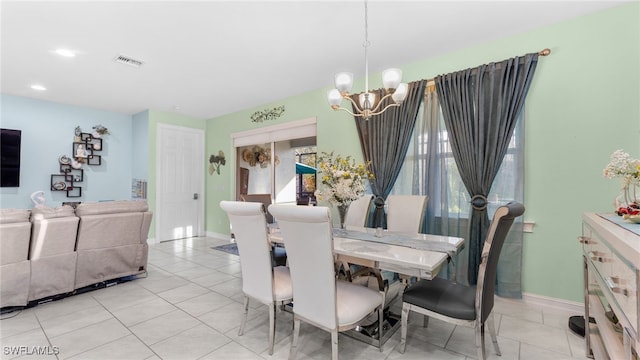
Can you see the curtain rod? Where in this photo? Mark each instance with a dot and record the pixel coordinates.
(543, 52)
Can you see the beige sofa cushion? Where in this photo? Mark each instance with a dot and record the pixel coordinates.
(111, 207)
(8, 216)
(44, 212)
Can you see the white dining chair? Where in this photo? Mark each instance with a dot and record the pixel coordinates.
(260, 280)
(405, 212)
(459, 304)
(358, 212)
(319, 299)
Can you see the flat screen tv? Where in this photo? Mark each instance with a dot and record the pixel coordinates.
(10, 157)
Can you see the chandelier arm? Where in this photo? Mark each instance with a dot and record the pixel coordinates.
(343, 109)
(380, 103)
(385, 109)
(355, 104)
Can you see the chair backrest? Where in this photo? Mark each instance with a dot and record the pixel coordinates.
(358, 212)
(405, 212)
(308, 238)
(497, 234)
(250, 229)
(265, 199)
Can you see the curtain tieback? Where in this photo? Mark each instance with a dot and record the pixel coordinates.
(378, 202)
(479, 202)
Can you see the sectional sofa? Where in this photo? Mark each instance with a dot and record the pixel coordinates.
(46, 252)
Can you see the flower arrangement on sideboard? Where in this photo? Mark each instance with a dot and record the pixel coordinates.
(623, 166)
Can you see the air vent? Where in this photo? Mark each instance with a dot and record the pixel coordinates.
(129, 61)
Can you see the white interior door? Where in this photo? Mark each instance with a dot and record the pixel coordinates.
(180, 187)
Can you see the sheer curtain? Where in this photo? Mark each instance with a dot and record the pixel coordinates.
(429, 169)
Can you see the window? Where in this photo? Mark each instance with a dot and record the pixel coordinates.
(430, 169)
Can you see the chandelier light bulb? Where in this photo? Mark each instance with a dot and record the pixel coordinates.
(335, 98)
(344, 82)
(401, 93)
(391, 78)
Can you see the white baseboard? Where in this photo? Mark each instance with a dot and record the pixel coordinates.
(218, 235)
(562, 304)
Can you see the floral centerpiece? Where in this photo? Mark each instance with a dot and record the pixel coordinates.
(627, 168)
(343, 180)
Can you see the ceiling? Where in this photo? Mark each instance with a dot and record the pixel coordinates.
(210, 58)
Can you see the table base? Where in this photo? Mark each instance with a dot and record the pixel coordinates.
(369, 334)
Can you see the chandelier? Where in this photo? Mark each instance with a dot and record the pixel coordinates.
(367, 104)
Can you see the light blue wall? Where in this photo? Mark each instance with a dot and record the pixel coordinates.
(47, 133)
(140, 146)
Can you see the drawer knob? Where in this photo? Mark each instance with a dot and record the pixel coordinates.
(585, 240)
(599, 257)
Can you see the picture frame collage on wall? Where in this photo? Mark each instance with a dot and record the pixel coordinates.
(83, 150)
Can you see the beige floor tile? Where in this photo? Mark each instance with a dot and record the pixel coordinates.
(57, 326)
(89, 337)
(18, 322)
(183, 293)
(128, 347)
(543, 336)
(204, 303)
(140, 312)
(190, 344)
(233, 351)
(164, 326)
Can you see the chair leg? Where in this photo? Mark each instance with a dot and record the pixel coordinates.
(243, 322)
(334, 344)
(272, 327)
(403, 327)
(294, 340)
(380, 325)
(492, 332)
(482, 355)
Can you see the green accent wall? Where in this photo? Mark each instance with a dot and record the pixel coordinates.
(583, 105)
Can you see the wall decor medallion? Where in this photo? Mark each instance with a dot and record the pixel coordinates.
(266, 114)
(215, 161)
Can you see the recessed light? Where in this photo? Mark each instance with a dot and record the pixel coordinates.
(38, 87)
(65, 53)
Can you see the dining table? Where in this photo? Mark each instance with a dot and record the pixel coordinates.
(416, 255)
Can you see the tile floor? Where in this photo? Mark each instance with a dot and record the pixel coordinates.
(189, 307)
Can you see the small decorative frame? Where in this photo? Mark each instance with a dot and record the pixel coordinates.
(80, 150)
(94, 160)
(95, 144)
(74, 191)
(58, 182)
(74, 175)
(65, 168)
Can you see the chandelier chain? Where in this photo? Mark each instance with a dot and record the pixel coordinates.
(366, 47)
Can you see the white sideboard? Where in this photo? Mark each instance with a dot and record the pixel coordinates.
(611, 277)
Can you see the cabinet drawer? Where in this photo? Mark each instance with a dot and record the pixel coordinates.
(597, 252)
(622, 282)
